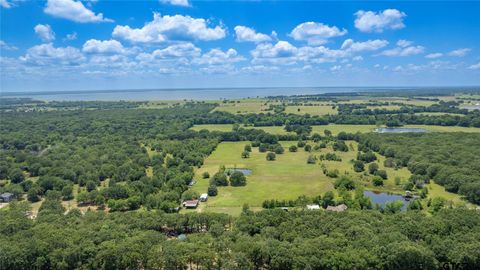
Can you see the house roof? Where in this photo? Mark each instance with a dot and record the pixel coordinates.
(190, 203)
(339, 208)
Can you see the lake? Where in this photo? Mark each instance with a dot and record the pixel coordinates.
(189, 93)
(382, 198)
(400, 130)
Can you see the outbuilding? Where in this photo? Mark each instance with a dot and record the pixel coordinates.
(190, 204)
(339, 208)
(313, 207)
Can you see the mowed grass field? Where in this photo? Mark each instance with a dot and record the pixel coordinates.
(318, 109)
(244, 106)
(289, 176)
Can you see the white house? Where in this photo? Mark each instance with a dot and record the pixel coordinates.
(313, 207)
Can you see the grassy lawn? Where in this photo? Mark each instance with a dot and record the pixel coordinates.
(244, 106)
(285, 178)
(319, 109)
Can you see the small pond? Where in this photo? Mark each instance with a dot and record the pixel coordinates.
(382, 198)
(400, 130)
(242, 170)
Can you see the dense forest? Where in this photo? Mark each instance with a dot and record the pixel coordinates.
(271, 239)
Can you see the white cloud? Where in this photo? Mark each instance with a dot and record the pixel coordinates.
(6, 46)
(407, 51)
(459, 52)
(182, 50)
(369, 45)
(5, 4)
(316, 33)
(245, 34)
(177, 27)
(216, 57)
(71, 36)
(45, 54)
(280, 53)
(475, 66)
(103, 46)
(370, 21)
(73, 10)
(357, 58)
(260, 69)
(336, 68)
(404, 43)
(183, 3)
(433, 55)
(45, 32)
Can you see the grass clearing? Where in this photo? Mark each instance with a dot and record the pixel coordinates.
(244, 106)
(317, 109)
(288, 177)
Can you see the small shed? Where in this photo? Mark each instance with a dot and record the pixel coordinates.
(339, 208)
(203, 197)
(6, 197)
(313, 207)
(190, 204)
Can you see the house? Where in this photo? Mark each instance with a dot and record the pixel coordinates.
(190, 204)
(339, 208)
(6, 197)
(204, 197)
(313, 207)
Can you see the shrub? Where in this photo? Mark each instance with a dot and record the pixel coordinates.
(377, 181)
(345, 182)
(271, 156)
(293, 148)
(311, 159)
(238, 179)
(212, 190)
(279, 150)
(382, 174)
(358, 166)
(373, 168)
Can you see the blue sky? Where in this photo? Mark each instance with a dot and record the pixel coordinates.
(105, 44)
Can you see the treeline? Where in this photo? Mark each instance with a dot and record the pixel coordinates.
(373, 117)
(270, 239)
(450, 159)
(362, 109)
